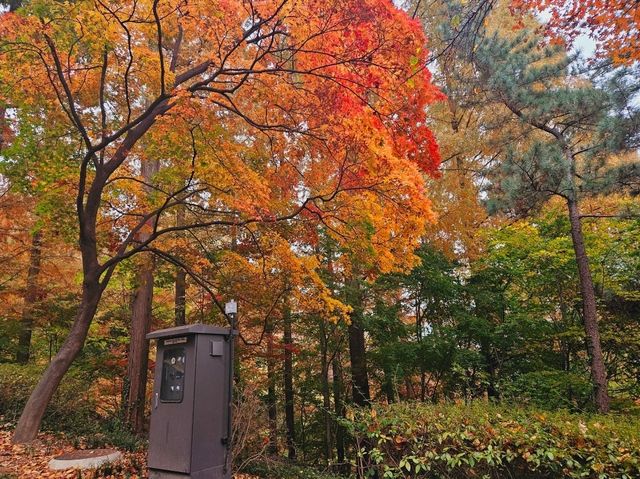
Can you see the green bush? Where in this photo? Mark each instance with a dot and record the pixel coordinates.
(272, 469)
(415, 440)
(549, 390)
(70, 409)
(111, 432)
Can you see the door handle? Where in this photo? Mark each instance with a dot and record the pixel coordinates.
(155, 405)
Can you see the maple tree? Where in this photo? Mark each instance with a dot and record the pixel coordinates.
(613, 24)
(297, 173)
(261, 113)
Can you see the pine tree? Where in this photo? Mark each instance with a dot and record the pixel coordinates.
(575, 118)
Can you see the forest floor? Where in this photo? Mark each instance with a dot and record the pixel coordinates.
(31, 461)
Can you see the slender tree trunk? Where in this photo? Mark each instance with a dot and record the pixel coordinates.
(490, 368)
(357, 353)
(138, 357)
(180, 299)
(326, 399)
(272, 410)
(388, 386)
(289, 410)
(338, 405)
(419, 331)
(3, 126)
(88, 201)
(30, 298)
(357, 348)
(303, 428)
(594, 348)
(31, 417)
(135, 387)
(181, 281)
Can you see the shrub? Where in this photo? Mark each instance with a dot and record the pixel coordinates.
(111, 432)
(282, 470)
(414, 440)
(249, 428)
(549, 390)
(70, 409)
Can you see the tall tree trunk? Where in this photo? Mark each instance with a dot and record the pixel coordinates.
(32, 414)
(419, 333)
(181, 281)
(3, 126)
(272, 410)
(95, 276)
(138, 357)
(30, 297)
(135, 386)
(326, 399)
(289, 410)
(389, 386)
(594, 348)
(357, 347)
(357, 353)
(338, 405)
(180, 298)
(491, 363)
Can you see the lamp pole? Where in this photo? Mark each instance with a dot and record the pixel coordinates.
(231, 312)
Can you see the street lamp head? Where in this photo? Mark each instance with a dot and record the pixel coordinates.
(231, 307)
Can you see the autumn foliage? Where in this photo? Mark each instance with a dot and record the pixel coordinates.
(261, 122)
(613, 24)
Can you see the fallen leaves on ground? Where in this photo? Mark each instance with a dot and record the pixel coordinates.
(26, 461)
(30, 461)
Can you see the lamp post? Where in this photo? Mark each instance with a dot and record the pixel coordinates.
(231, 311)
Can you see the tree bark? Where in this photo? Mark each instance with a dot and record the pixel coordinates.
(31, 417)
(338, 405)
(272, 410)
(3, 126)
(326, 399)
(14, 5)
(180, 299)
(30, 298)
(138, 357)
(181, 281)
(357, 348)
(135, 387)
(594, 348)
(389, 386)
(289, 410)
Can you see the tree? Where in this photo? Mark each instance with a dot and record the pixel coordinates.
(614, 24)
(141, 310)
(464, 125)
(274, 110)
(576, 123)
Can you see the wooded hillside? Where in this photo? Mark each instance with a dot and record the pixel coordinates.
(418, 206)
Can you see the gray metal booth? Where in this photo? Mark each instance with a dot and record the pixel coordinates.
(190, 430)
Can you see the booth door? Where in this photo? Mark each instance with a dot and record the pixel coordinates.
(172, 407)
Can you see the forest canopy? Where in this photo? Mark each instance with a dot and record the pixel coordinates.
(411, 202)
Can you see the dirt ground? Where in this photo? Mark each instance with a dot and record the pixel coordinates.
(31, 461)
